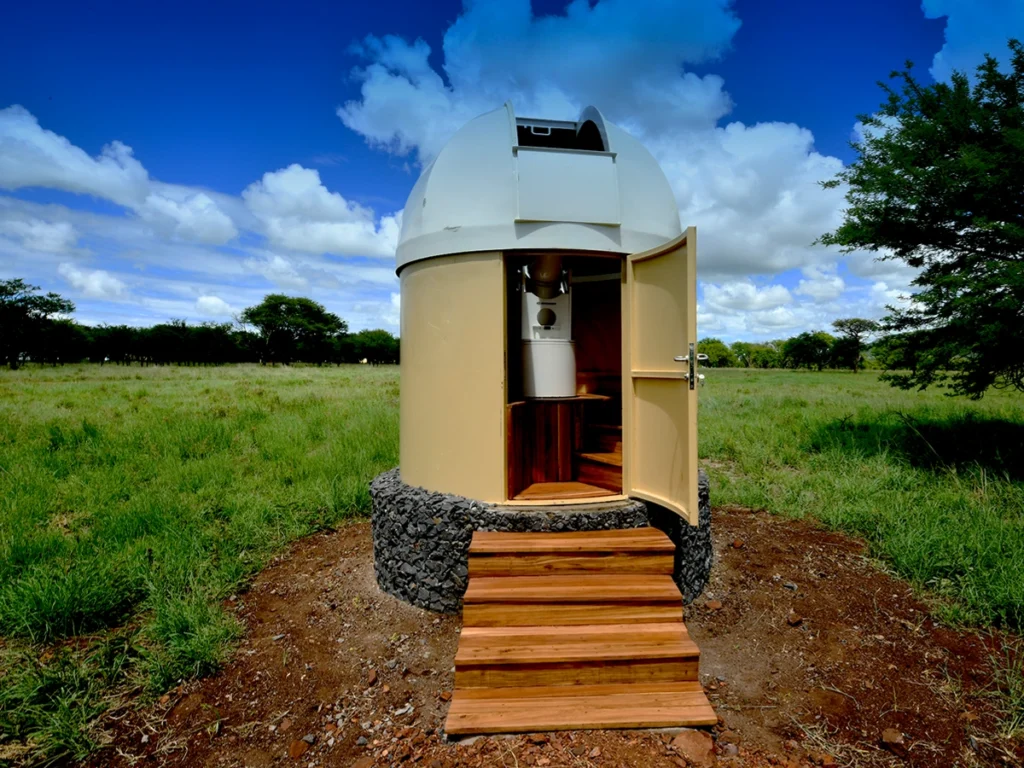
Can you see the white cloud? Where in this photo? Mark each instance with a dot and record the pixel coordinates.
(31, 156)
(39, 235)
(195, 217)
(752, 190)
(213, 306)
(745, 296)
(95, 284)
(776, 319)
(393, 314)
(278, 270)
(973, 28)
(821, 284)
(618, 54)
(299, 213)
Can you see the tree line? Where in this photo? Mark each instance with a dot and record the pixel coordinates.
(818, 350)
(281, 329)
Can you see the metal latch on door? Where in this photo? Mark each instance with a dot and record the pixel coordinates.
(692, 359)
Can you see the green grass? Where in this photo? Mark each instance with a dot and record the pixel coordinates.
(935, 484)
(143, 497)
(134, 500)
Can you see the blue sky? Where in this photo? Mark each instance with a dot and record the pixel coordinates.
(182, 161)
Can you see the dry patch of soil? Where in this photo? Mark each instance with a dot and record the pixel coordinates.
(810, 654)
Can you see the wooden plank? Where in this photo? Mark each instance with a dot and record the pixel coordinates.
(607, 443)
(575, 673)
(531, 614)
(588, 562)
(591, 588)
(510, 710)
(566, 692)
(599, 474)
(569, 490)
(622, 540)
(664, 641)
(608, 629)
(610, 458)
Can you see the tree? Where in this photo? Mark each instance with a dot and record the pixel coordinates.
(24, 316)
(294, 328)
(719, 355)
(811, 349)
(939, 184)
(375, 347)
(766, 355)
(743, 350)
(849, 348)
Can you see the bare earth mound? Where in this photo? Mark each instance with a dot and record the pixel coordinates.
(810, 654)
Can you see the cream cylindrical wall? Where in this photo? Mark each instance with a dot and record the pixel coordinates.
(452, 408)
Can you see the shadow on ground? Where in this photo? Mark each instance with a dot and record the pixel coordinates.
(961, 441)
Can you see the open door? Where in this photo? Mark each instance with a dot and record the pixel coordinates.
(659, 372)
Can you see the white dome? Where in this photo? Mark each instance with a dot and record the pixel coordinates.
(503, 183)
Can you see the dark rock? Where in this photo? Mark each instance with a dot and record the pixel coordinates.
(696, 747)
(892, 739)
(428, 566)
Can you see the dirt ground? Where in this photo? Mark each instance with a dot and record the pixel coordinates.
(810, 654)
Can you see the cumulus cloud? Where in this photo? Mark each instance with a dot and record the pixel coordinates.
(821, 284)
(213, 306)
(194, 217)
(278, 270)
(620, 54)
(39, 235)
(31, 156)
(973, 28)
(745, 296)
(299, 213)
(95, 284)
(753, 190)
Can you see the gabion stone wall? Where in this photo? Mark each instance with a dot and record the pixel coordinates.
(421, 538)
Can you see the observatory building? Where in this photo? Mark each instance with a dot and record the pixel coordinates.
(548, 331)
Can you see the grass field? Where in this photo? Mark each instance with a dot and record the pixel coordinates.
(133, 500)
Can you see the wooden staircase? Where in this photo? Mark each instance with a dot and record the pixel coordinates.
(574, 631)
(600, 464)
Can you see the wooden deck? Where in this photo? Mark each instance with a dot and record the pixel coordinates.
(574, 630)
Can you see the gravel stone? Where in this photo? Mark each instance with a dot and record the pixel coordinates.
(421, 538)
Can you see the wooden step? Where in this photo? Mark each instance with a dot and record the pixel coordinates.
(611, 458)
(583, 588)
(603, 470)
(581, 655)
(605, 438)
(631, 550)
(595, 598)
(550, 708)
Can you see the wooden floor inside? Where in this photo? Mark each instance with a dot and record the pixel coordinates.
(569, 490)
(574, 631)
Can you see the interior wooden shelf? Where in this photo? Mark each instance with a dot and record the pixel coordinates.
(612, 459)
(574, 399)
(568, 490)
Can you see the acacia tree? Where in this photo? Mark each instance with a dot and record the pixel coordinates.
(939, 184)
(293, 327)
(849, 347)
(24, 317)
